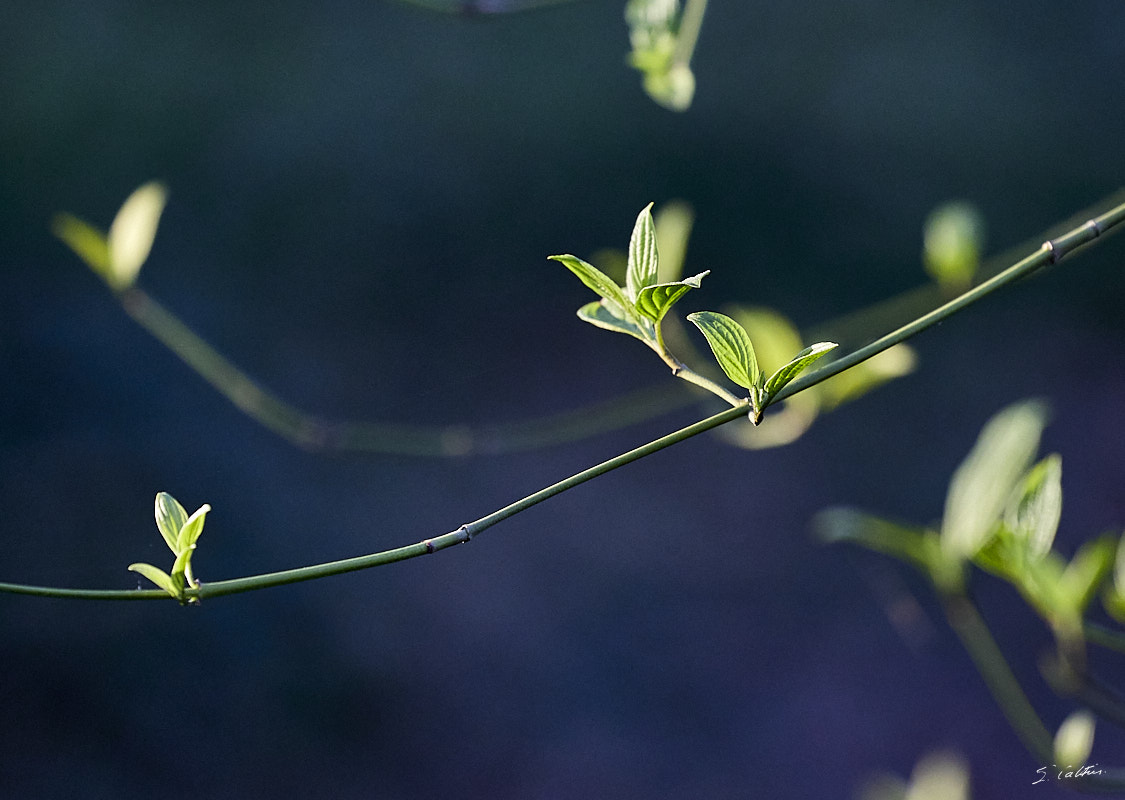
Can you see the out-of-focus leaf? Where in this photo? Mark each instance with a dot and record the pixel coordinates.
(1086, 572)
(953, 240)
(673, 222)
(863, 377)
(132, 233)
(984, 481)
(643, 258)
(1036, 507)
(915, 546)
(731, 345)
(655, 301)
(1074, 740)
(673, 88)
(85, 240)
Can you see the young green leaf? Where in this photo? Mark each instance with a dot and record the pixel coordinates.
(132, 233)
(86, 241)
(796, 366)
(731, 345)
(643, 259)
(597, 313)
(159, 577)
(170, 520)
(191, 529)
(984, 481)
(182, 566)
(655, 301)
(1036, 506)
(601, 283)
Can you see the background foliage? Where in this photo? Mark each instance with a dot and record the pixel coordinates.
(363, 198)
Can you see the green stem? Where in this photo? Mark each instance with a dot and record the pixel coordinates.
(1104, 637)
(688, 34)
(1050, 253)
(977, 639)
(974, 634)
(425, 547)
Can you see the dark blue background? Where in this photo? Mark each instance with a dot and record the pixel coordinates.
(363, 199)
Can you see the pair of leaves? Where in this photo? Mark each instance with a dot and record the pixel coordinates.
(117, 257)
(638, 307)
(734, 351)
(180, 532)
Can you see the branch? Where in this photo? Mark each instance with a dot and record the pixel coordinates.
(1051, 252)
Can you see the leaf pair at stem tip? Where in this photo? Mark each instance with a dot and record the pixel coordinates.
(734, 351)
(180, 533)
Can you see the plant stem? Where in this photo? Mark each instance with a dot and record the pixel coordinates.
(1051, 252)
(974, 634)
(1104, 637)
(989, 660)
(688, 34)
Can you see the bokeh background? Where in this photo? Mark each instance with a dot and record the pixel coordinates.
(363, 199)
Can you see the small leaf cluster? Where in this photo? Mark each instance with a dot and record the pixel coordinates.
(1001, 515)
(734, 351)
(639, 307)
(776, 338)
(180, 532)
(653, 34)
(117, 257)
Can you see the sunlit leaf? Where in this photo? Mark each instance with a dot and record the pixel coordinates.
(191, 529)
(776, 338)
(132, 233)
(595, 279)
(596, 313)
(797, 365)
(731, 345)
(984, 481)
(85, 240)
(170, 520)
(1074, 740)
(643, 259)
(655, 301)
(159, 577)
